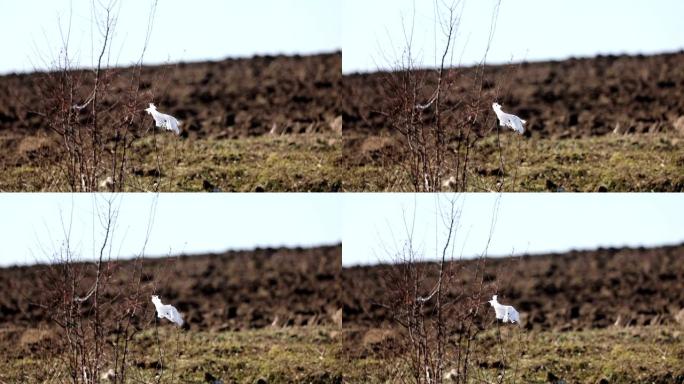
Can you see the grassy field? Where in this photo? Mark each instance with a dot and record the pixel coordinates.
(615, 355)
(304, 162)
(637, 163)
(291, 355)
(314, 162)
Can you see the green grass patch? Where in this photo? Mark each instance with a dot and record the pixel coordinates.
(290, 355)
(614, 355)
(630, 163)
(267, 163)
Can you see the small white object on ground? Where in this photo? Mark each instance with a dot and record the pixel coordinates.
(504, 312)
(167, 311)
(109, 375)
(451, 376)
(449, 183)
(508, 120)
(107, 183)
(163, 120)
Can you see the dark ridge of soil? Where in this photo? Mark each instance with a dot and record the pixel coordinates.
(228, 291)
(225, 99)
(571, 98)
(571, 291)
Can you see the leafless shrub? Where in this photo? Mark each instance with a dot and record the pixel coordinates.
(439, 123)
(96, 113)
(101, 306)
(441, 306)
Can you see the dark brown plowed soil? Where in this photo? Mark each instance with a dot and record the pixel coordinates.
(576, 290)
(225, 99)
(571, 98)
(229, 291)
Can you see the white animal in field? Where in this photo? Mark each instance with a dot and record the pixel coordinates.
(163, 120)
(505, 313)
(167, 311)
(508, 120)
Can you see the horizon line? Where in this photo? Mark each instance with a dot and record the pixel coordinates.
(678, 51)
(379, 263)
(255, 248)
(150, 64)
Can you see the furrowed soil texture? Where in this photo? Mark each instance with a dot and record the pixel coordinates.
(612, 123)
(268, 313)
(611, 314)
(264, 123)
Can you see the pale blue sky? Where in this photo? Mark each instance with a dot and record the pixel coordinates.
(366, 223)
(526, 30)
(183, 30)
(525, 223)
(184, 223)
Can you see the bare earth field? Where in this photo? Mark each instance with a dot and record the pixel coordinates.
(611, 314)
(613, 123)
(228, 110)
(270, 314)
